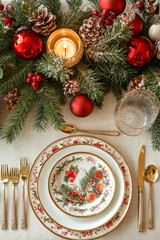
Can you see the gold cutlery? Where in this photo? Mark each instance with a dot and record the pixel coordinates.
(151, 176)
(140, 190)
(67, 128)
(14, 179)
(24, 170)
(4, 180)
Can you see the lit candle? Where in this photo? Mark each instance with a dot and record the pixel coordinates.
(66, 43)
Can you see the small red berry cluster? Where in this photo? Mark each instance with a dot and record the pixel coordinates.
(139, 4)
(79, 198)
(98, 191)
(71, 175)
(34, 80)
(105, 17)
(7, 20)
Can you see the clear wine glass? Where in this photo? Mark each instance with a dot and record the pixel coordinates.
(136, 111)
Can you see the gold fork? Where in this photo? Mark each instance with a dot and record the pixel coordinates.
(14, 178)
(4, 180)
(24, 170)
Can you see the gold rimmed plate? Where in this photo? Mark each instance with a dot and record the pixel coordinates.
(81, 184)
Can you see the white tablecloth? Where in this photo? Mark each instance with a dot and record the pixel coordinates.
(30, 144)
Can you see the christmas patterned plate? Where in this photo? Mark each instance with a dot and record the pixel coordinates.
(76, 223)
(81, 184)
(38, 209)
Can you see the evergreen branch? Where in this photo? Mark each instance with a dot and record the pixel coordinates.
(16, 76)
(21, 12)
(40, 119)
(89, 82)
(16, 119)
(94, 3)
(74, 4)
(53, 6)
(6, 58)
(84, 181)
(50, 101)
(155, 134)
(6, 39)
(53, 67)
(74, 19)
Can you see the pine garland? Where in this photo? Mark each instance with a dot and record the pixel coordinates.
(103, 68)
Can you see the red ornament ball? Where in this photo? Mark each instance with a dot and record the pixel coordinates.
(81, 105)
(27, 44)
(136, 24)
(1, 7)
(140, 51)
(116, 6)
(139, 4)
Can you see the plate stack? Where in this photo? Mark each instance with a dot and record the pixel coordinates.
(80, 187)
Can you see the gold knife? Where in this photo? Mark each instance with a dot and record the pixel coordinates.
(140, 189)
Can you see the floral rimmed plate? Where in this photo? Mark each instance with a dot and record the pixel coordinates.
(81, 184)
(44, 217)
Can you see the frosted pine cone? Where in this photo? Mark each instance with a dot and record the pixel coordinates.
(44, 21)
(151, 8)
(91, 31)
(157, 49)
(137, 83)
(11, 98)
(71, 87)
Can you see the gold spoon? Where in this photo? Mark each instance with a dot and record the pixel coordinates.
(150, 175)
(66, 128)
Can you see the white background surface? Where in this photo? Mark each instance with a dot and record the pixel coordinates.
(30, 144)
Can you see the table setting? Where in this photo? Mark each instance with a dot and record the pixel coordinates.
(79, 84)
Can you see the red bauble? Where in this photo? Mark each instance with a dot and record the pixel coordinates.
(136, 24)
(116, 6)
(81, 105)
(140, 51)
(27, 44)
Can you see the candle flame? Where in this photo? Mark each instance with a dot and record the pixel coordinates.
(65, 48)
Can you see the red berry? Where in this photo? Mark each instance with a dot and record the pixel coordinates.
(73, 174)
(11, 26)
(39, 78)
(7, 20)
(29, 80)
(70, 201)
(91, 179)
(80, 197)
(35, 85)
(96, 186)
(30, 75)
(139, 4)
(1, 7)
(95, 180)
(67, 173)
(105, 13)
(112, 16)
(34, 78)
(96, 13)
(81, 201)
(76, 197)
(102, 19)
(109, 22)
(75, 193)
(125, 17)
(69, 191)
(99, 190)
(72, 193)
(71, 179)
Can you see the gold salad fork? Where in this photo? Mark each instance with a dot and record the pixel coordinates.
(14, 178)
(5, 180)
(24, 170)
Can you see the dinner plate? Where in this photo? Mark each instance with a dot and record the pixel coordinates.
(78, 223)
(45, 219)
(81, 184)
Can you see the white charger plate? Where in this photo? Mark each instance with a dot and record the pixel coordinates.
(38, 208)
(81, 184)
(78, 223)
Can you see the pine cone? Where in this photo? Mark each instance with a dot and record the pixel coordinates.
(44, 22)
(91, 31)
(71, 87)
(150, 8)
(11, 98)
(137, 83)
(157, 49)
